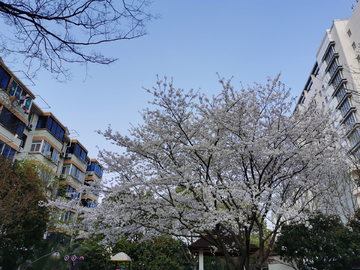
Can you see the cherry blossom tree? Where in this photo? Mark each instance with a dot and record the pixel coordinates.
(226, 167)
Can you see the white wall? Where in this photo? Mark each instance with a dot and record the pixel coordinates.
(278, 266)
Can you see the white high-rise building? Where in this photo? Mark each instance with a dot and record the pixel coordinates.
(334, 83)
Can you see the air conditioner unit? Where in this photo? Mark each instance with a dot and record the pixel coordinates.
(62, 154)
(90, 174)
(21, 149)
(68, 155)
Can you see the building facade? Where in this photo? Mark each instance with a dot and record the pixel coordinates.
(28, 132)
(334, 84)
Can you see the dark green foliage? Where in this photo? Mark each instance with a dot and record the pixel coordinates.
(23, 221)
(162, 253)
(323, 243)
(50, 254)
(98, 256)
(214, 263)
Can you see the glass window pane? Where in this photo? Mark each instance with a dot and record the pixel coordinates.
(20, 128)
(60, 133)
(53, 128)
(12, 88)
(49, 123)
(18, 91)
(11, 154)
(4, 78)
(6, 151)
(1, 146)
(42, 122)
(55, 156)
(27, 103)
(46, 148)
(12, 126)
(66, 169)
(5, 116)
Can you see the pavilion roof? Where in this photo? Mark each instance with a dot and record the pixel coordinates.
(208, 250)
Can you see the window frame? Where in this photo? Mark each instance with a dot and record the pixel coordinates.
(74, 171)
(349, 33)
(11, 122)
(44, 147)
(4, 78)
(7, 151)
(51, 125)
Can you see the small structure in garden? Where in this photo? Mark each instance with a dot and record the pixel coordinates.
(121, 257)
(203, 248)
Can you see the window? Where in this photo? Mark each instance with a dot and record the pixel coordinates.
(337, 79)
(309, 85)
(67, 216)
(11, 122)
(78, 151)
(320, 93)
(76, 172)
(20, 94)
(73, 171)
(72, 192)
(349, 33)
(345, 107)
(326, 99)
(55, 156)
(91, 204)
(4, 79)
(353, 45)
(7, 151)
(35, 146)
(329, 55)
(46, 176)
(94, 167)
(341, 93)
(45, 148)
(49, 123)
(323, 104)
(15, 90)
(302, 99)
(88, 203)
(333, 67)
(23, 141)
(354, 137)
(350, 121)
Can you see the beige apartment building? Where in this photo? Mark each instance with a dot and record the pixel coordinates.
(28, 132)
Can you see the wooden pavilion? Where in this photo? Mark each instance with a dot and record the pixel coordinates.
(203, 248)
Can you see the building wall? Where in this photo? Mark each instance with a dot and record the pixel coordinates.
(28, 132)
(335, 86)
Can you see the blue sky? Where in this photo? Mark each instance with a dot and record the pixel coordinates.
(193, 40)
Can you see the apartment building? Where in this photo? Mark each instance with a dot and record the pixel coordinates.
(28, 132)
(334, 83)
